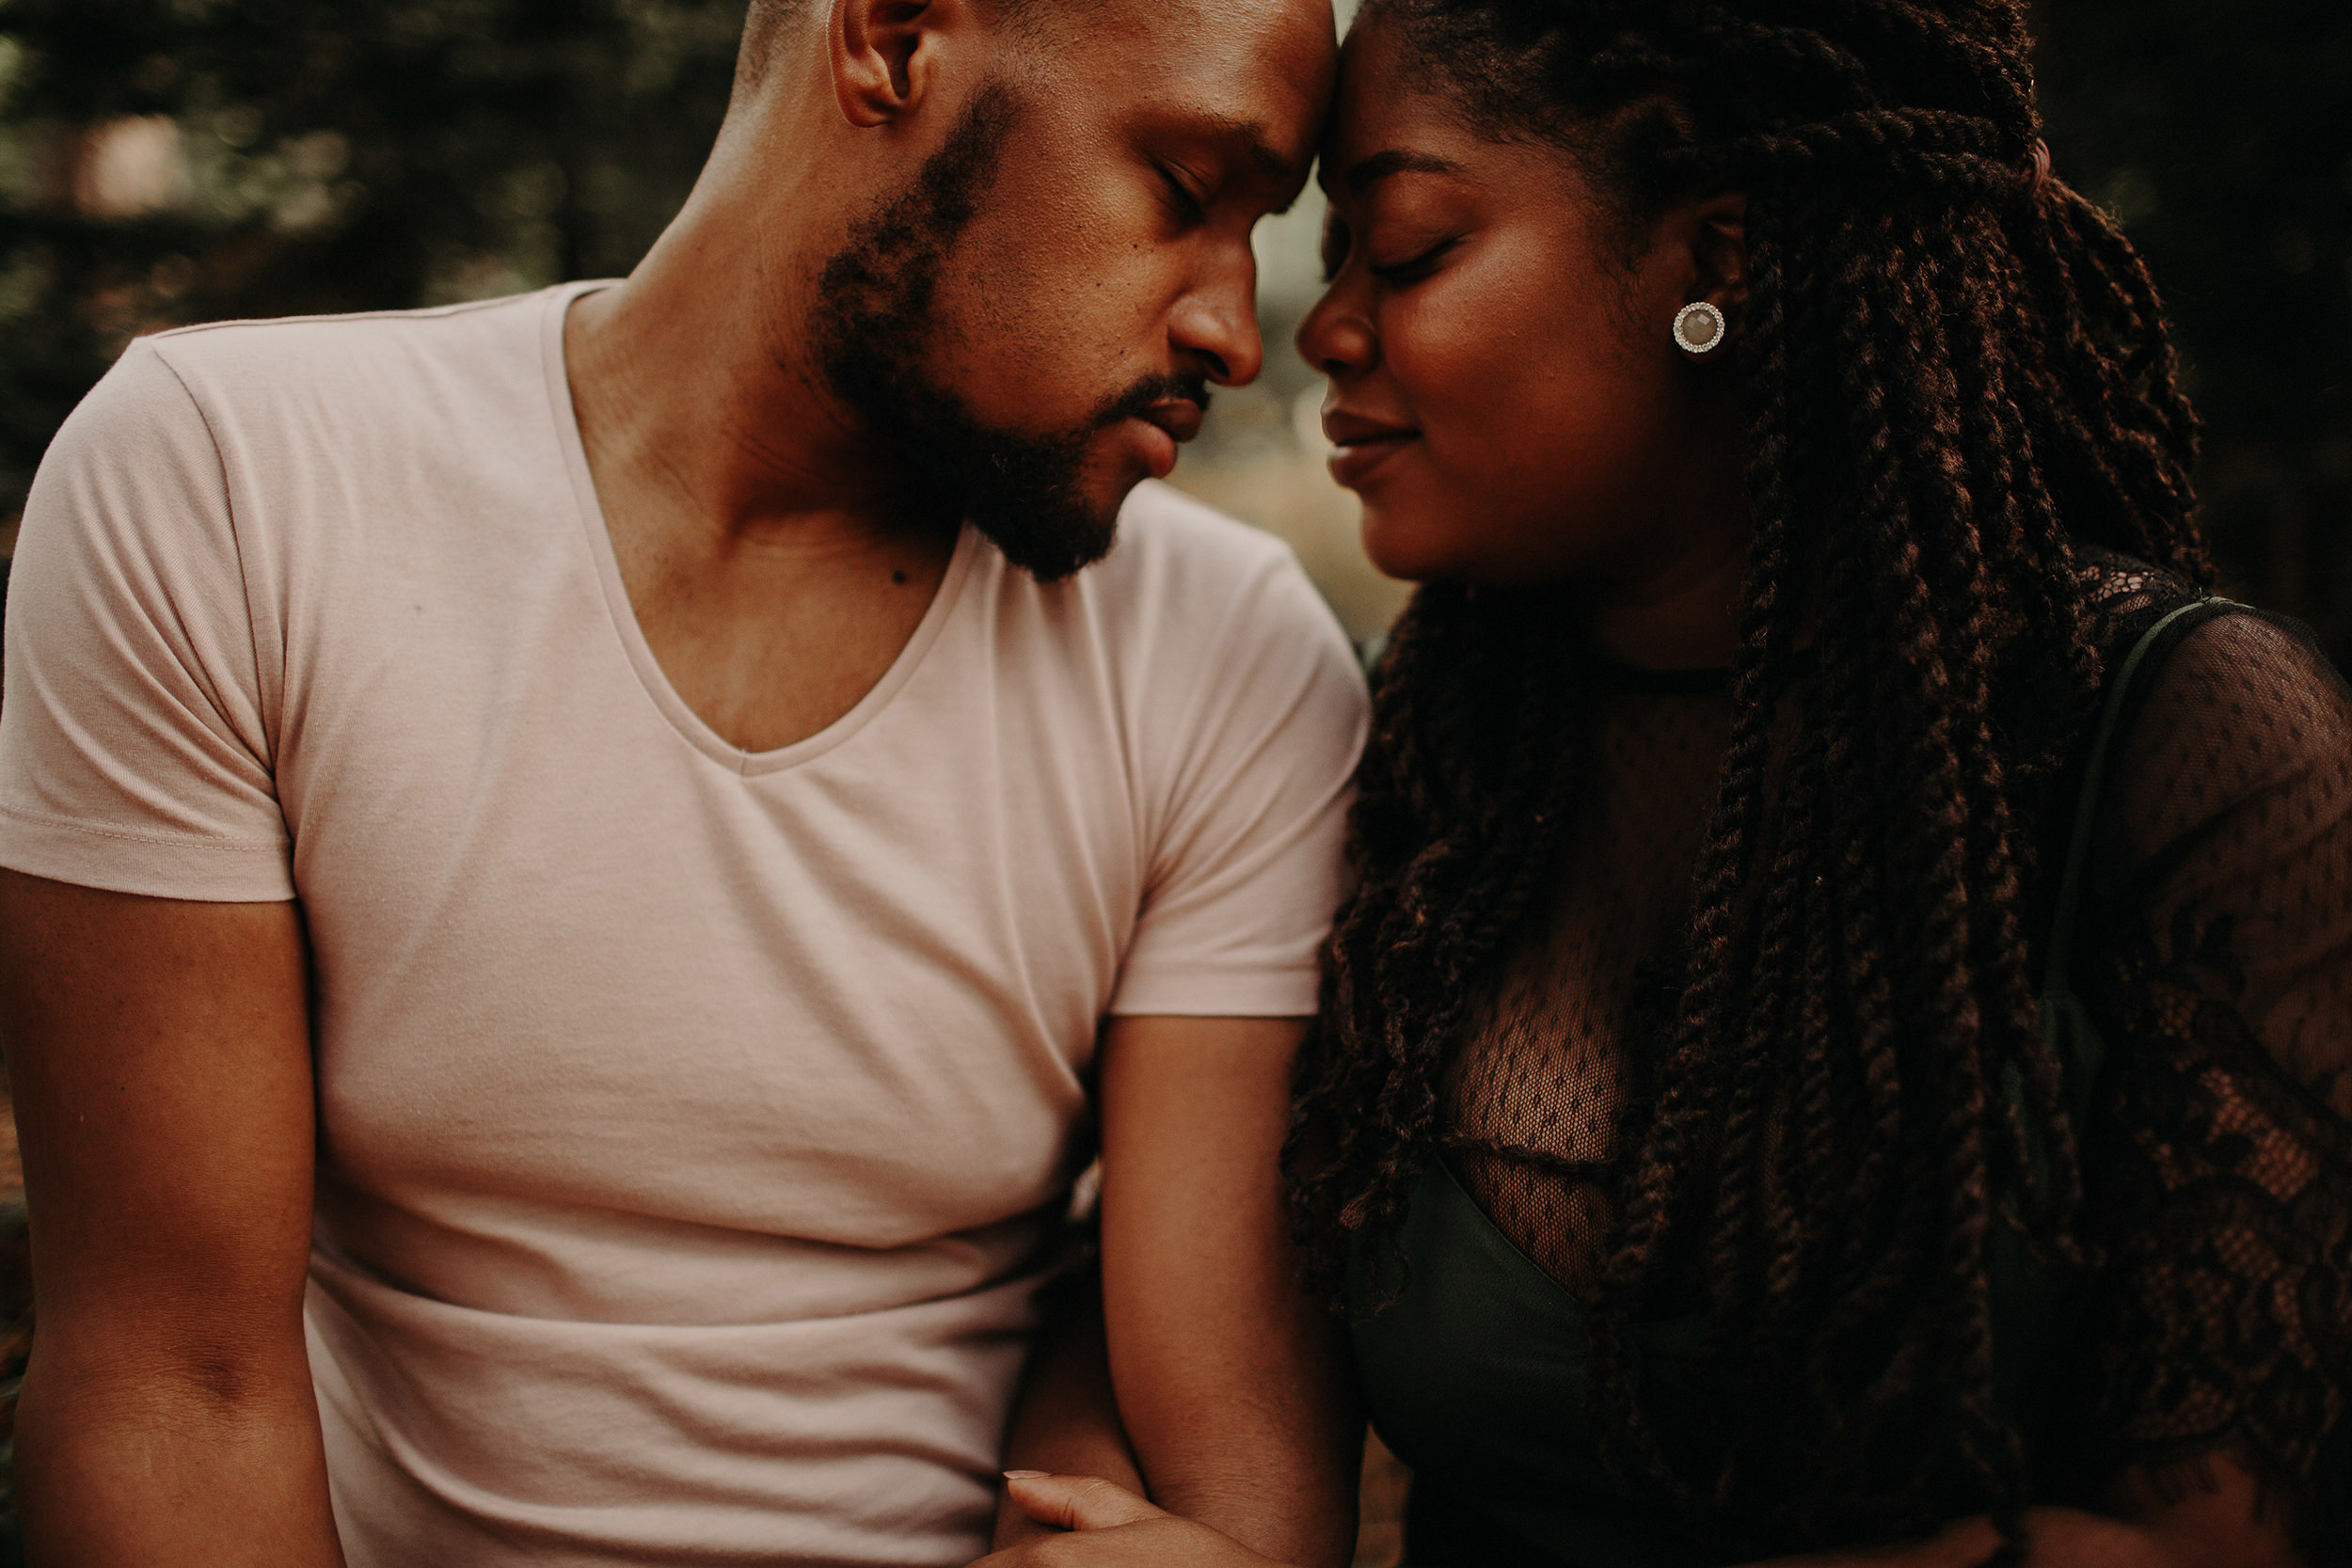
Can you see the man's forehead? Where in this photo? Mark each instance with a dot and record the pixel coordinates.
(1206, 22)
(1247, 46)
(1255, 73)
(1273, 141)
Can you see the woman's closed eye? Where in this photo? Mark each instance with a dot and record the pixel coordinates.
(1415, 265)
(1417, 257)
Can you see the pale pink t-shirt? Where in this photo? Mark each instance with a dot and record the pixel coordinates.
(695, 1125)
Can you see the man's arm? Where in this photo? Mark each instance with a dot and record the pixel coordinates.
(160, 1056)
(1232, 1384)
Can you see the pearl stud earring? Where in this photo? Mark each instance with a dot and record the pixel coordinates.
(1698, 328)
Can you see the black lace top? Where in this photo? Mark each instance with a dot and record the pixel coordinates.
(2215, 953)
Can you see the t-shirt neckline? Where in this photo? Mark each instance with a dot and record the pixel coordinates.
(655, 681)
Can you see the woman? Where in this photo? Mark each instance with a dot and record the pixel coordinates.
(1822, 1056)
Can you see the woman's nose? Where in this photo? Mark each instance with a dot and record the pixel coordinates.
(1335, 337)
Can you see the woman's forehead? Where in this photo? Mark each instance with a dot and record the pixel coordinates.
(1384, 110)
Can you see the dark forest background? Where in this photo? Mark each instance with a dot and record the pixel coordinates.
(164, 161)
(171, 161)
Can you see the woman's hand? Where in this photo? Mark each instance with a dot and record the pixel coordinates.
(1109, 1527)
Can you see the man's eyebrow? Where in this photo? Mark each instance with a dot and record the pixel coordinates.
(1277, 168)
(1370, 171)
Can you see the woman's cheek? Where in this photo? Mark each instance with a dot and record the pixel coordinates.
(1408, 531)
(1431, 519)
(1441, 344)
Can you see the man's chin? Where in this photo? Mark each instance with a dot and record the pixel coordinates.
(1050, 540)
(1054, 537)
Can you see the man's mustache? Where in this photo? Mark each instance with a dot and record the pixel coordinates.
(1137, 400)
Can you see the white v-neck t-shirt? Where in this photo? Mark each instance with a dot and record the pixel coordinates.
(695, 1125)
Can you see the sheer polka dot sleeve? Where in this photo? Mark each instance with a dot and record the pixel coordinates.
(2218, 1160)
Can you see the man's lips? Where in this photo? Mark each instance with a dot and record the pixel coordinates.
(1178, 416)
(1359, 443)
(1174, 421)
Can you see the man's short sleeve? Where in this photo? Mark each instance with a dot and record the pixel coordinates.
(1247, 869)
(134, 751)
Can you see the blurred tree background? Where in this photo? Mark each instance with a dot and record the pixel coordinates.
(2221, 136)
(173, 161)
(164, 161)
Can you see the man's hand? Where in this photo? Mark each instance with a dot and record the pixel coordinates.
(1105, 1526)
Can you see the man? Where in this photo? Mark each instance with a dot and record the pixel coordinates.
(572, 853)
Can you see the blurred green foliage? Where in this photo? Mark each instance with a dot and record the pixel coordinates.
(171, 161)
(2221, 136)
(168, 161)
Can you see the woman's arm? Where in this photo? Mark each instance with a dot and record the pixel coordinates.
(2223, 1525)
(160, 1056)
(1230, 1380)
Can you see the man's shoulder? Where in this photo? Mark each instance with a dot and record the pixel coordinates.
(311, 423)
(1159, 515)
(358, 358)
(1190, 600)
(1180, 557)
(1160, 519)
(302, 336)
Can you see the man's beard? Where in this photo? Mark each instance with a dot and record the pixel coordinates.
(874, 325)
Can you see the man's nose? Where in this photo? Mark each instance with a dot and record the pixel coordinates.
(1215, 322)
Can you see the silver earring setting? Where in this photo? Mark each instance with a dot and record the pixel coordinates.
(1698, 328)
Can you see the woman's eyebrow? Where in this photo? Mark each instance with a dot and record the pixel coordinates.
(1367, 172)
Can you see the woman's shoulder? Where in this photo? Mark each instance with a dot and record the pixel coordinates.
(2126, 595)
(2225, 872)
(2227, 702)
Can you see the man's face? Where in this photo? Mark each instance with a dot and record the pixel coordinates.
(1032, 323)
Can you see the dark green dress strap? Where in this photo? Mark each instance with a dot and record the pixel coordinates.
(2031, 1315)
(2066, 1025)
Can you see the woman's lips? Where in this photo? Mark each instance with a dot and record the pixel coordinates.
(1360, 444)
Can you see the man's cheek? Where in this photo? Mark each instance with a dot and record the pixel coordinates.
(1103, 287)
(1011, 388)
(1041, 375)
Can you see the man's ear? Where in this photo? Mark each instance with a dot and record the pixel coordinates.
(1719, 246)
(884, 54)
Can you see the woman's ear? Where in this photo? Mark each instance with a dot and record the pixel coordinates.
(882, 54)
(1719, 247)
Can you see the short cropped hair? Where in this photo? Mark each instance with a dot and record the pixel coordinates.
(763, 26)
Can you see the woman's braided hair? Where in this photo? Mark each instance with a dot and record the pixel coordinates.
(1954, 369)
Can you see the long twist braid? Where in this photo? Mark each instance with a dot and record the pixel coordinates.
(1955, 372)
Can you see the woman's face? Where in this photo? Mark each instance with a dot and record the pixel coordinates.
(1505, 392)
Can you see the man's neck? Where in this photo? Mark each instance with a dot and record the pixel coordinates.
(769, 564)
(694, 384)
